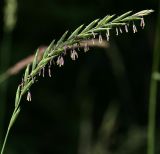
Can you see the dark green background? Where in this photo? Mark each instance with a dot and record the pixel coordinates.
(82, 90)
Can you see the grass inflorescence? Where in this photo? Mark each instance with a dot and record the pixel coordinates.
(55, 52)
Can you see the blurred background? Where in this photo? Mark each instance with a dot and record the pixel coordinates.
(97, 104)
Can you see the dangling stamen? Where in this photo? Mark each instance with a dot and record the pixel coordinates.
(65, 49)
(50, 63)
(107, 34)
(78, 46)
(134, 28)
(94, 35)
(116, 31)
(142, 24)
(60, 61)
(93, 41)
(120, 30)
(126, 28)
(100, 39)
(43, 71)
(49, 71)
(86, 48)
(74, 54)
(39, 72)
(29, 97)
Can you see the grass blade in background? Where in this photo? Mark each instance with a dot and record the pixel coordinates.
(153, 92)
(10, 9)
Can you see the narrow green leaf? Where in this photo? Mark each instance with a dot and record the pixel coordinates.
(75, 32)
(17, 96)
(90, 26)
(35, 61)
(61, 39)
(122, 16)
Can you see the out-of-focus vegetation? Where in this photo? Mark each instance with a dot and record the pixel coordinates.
(97, 104)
